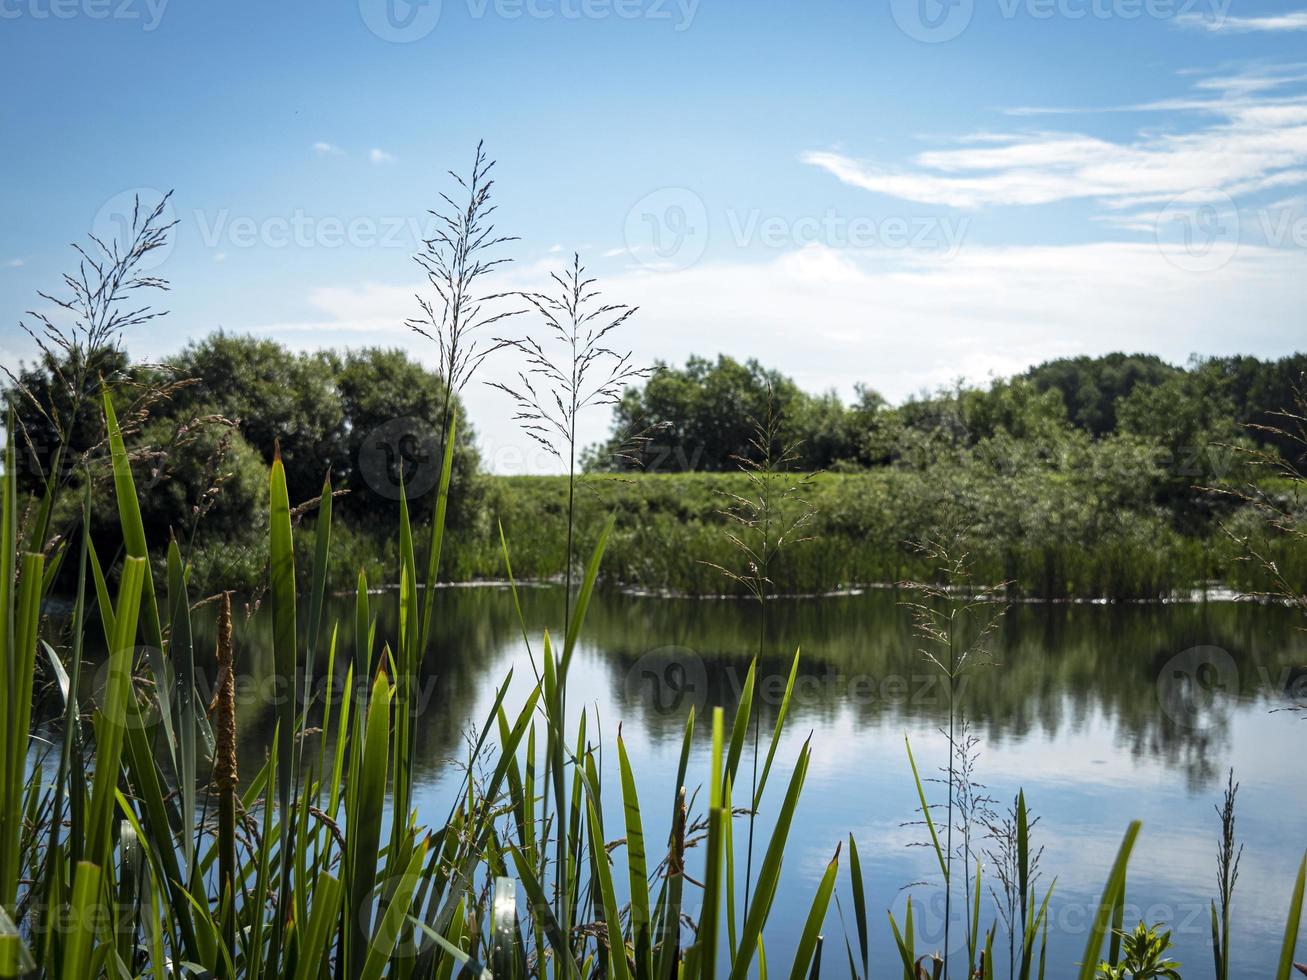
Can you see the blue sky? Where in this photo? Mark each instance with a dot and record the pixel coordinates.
(899, 193)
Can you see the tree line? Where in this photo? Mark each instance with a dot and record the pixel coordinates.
(1137, 434)
(706, 411)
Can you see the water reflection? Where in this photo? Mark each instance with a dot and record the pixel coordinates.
(1166, 680)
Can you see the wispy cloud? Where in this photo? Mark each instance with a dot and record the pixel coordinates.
(324, 149)
(1251, 135)
(15, 263)
(378, 155)
(1293, 20)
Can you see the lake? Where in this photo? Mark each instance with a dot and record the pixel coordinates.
(1101, 713)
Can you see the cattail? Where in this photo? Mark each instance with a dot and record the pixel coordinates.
(224, 772)
(224, 769)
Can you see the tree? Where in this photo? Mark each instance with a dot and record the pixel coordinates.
(393, 410)
(706, 414)
(275, 395)
(1092, 387)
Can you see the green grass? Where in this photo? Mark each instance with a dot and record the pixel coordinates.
(1050, 539)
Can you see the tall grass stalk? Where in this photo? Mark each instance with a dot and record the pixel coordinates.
(954, 620)
(573, 369)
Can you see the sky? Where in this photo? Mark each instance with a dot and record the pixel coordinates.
(900, 193)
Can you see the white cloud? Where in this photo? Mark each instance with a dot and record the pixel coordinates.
(378, 155)
(15, 263)
(1294, 20)
(327, 149)
(899, 321)
(1253, 136)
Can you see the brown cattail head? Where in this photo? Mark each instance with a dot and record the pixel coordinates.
(224, 770)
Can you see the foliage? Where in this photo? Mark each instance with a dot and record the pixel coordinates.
(1143, 956)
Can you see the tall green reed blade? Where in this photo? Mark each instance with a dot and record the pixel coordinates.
(112, 719)
(318, 585)
(12, 665)
(709, 924)
(769, 871)
(20, 669)
(740, 728)
(394, 919)
(1113, 893)
(286, 669)
(859, 902)
(1118, 923)
(535, 893)
(364, 815)
(810, 938)
(405, 684)
(84, 914)
(781, 715)
(925, 812)
(1034, 924)
(70, 755)
(362, 629)
(1291, 925)
(143, 774)
(285, 655)
(905, 942)
(507, 954)
(321, 927)
(583, 596)
(133, 527)
(182, 651)
(617, 965)
(637, 867)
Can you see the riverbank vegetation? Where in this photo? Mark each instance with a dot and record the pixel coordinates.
(1091, 478)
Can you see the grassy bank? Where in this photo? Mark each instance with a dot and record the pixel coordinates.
(1048, 534)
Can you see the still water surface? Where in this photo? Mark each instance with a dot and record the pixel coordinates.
(1101, 713)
